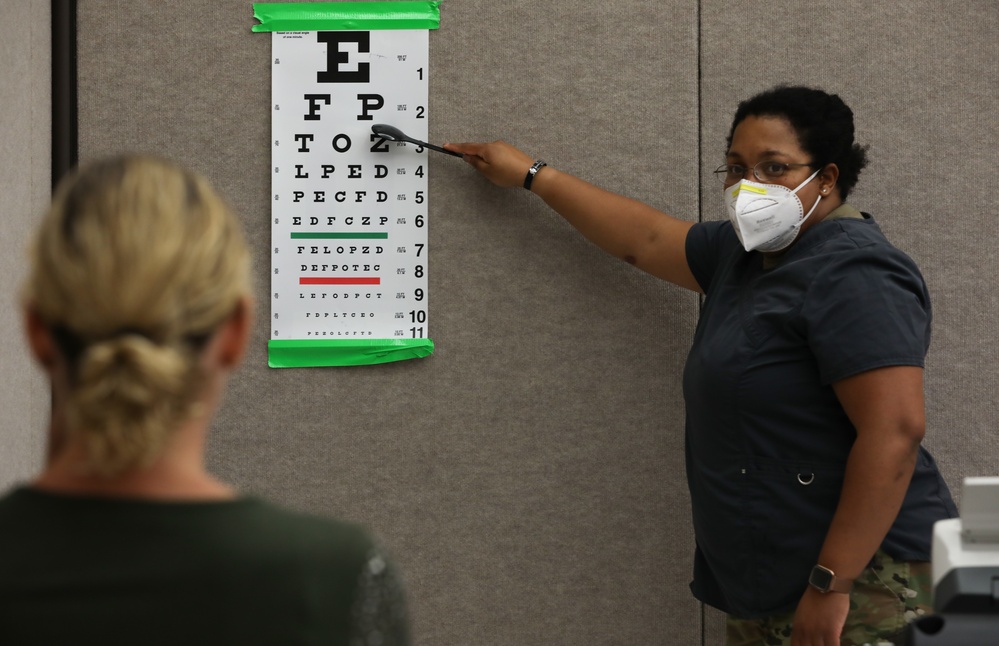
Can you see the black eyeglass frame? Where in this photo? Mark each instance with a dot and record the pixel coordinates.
(724, 172)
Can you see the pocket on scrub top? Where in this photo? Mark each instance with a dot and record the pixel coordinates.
(790, 505)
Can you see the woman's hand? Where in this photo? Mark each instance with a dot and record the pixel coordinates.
(501, 163)
(819, 619)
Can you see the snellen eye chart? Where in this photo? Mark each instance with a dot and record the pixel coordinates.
(350, 259)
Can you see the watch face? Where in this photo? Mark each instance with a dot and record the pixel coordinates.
(821, 578)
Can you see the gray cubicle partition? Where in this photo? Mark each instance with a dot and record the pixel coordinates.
(25, 187)
(528, 476)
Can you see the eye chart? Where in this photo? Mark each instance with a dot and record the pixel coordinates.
(349, 256)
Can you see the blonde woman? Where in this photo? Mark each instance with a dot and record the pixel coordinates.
(138, 306)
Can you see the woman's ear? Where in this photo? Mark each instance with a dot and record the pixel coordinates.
(828, 178)
(234, 335)
(40, 340)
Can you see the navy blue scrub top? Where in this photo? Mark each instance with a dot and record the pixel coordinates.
(766, 438)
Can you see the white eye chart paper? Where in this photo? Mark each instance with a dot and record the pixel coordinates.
(349, 257)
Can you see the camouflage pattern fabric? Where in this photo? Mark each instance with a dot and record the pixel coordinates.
(887, 596)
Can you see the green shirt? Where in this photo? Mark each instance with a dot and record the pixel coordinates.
(91, 570)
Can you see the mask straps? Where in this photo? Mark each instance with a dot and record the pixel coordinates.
(810, 178)
(817, 200)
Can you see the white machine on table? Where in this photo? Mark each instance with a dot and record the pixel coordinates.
(965, 572)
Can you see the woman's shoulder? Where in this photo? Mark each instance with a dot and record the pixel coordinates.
(854, 241)
(243, 523)
(304, 526)
(708, 244)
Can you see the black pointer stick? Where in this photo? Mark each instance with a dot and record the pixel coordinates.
(392, 133)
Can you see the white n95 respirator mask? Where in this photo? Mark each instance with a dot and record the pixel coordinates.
(766, 217)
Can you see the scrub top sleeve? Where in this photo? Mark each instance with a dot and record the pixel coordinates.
(706, 244)
(867, 309)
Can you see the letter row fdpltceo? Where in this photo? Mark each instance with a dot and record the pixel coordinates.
(349, 229)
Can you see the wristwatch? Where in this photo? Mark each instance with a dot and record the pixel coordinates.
(532, 171)
(825, 580)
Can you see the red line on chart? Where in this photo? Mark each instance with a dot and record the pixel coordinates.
(339, 281)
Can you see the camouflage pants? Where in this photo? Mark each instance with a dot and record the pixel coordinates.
(887, 596)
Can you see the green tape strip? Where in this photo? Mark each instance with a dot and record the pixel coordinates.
(307, 353)
(346, 16)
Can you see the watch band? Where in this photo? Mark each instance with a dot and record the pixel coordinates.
(825, 580)
(532, 171)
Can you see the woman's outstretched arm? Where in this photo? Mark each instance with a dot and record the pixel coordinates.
(626, 228)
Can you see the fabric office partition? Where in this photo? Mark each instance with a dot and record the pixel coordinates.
(25, 186)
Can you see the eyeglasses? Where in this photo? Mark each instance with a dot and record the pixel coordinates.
(765, 171)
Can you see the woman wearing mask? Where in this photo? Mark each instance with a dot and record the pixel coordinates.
(813, 500)
(138, 307)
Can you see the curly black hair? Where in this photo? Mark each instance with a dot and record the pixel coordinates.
(822, 121)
